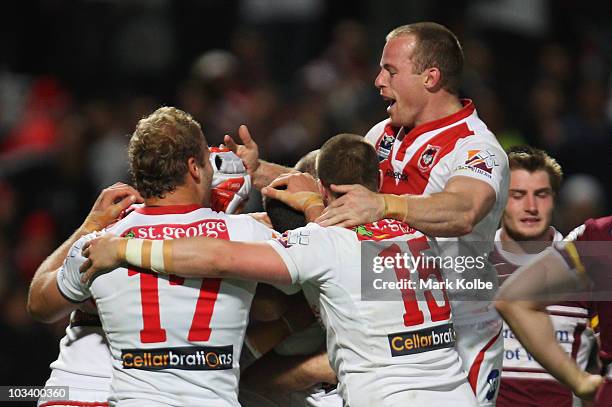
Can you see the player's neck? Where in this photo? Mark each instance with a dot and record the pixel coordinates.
(440, 105)
(527, 246)
(180, 196)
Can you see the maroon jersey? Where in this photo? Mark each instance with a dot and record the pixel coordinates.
(595, 260)
(524, 382)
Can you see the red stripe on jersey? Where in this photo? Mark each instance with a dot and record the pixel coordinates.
(464, 112)
(413, 180)
(475, 368)
(167, 209)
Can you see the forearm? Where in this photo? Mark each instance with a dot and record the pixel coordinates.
(203, 257)
(443, 214)
(45, 274)
(534, 330)
(266, 172)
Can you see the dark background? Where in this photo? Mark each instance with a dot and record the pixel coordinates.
(75, 76)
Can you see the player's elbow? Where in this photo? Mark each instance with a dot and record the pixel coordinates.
(38, 310)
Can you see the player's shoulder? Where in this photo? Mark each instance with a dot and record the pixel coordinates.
(599, 229)
(376, 131)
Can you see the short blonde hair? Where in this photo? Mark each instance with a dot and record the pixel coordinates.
(159, 150)
(532, 159)
(437, 47)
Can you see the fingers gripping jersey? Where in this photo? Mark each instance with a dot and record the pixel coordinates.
(372, 345)
(230, 184)
(173, 340)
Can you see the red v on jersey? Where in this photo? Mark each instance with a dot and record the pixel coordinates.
(410, 175)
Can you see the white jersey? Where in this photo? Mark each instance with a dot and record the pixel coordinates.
(174, 341)
(379, 352)
(84, 360)
(420, 161)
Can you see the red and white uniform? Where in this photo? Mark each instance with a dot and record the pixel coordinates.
(371, 344)
(524, 382)
(589, 247)
(173, 341)
(420, 161)
(83, 363)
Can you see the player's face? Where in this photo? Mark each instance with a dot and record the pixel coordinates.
(528, 213)
(207, 174)
(398, 82)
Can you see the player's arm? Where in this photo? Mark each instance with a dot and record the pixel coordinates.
(276, 374)
(262, 172)
(43, 293)
(195, 257)
(522, 301)
(452, 212)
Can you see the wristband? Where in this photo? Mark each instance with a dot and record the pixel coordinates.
(154, 255)
(395, 207)
(313, 200)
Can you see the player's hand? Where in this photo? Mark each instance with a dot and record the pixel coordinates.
(357, 206)
(102, 254)
(262, 217)
(587, 386)
(109, 205)
(300, 193)
(248, 151)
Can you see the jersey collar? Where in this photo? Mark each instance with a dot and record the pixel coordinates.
(167, 209)
(467, 109)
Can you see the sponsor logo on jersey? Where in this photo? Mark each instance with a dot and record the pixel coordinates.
(492, 384)
(423, 340)
(428, 157)
(382, 229)
(402, 176)
(293, 237)
(216, 228)
(480, 161)
(184, 358)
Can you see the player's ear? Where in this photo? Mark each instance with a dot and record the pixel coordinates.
(194, 170)
(432, 79)
(323, 191)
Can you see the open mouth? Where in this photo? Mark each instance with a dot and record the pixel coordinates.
(390, 101)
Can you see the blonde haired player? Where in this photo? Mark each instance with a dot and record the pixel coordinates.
(174, 341)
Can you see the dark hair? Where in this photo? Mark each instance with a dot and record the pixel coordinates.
(437, 47)
(348, 159)
(532, 160)
(159, 150)
(282, 216)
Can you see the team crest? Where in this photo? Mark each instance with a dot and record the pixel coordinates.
(428, 157)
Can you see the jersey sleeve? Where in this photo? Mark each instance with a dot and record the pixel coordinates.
(308, 252)
(69, 277)
(481, 160)
(586, 250)
(376, 132)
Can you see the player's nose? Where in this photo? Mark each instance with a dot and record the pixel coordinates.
(380, 80)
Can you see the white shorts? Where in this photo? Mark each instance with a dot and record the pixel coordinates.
(83, 390)
(481, 347)
(459, 396)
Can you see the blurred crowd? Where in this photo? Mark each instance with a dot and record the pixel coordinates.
(75, 77)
